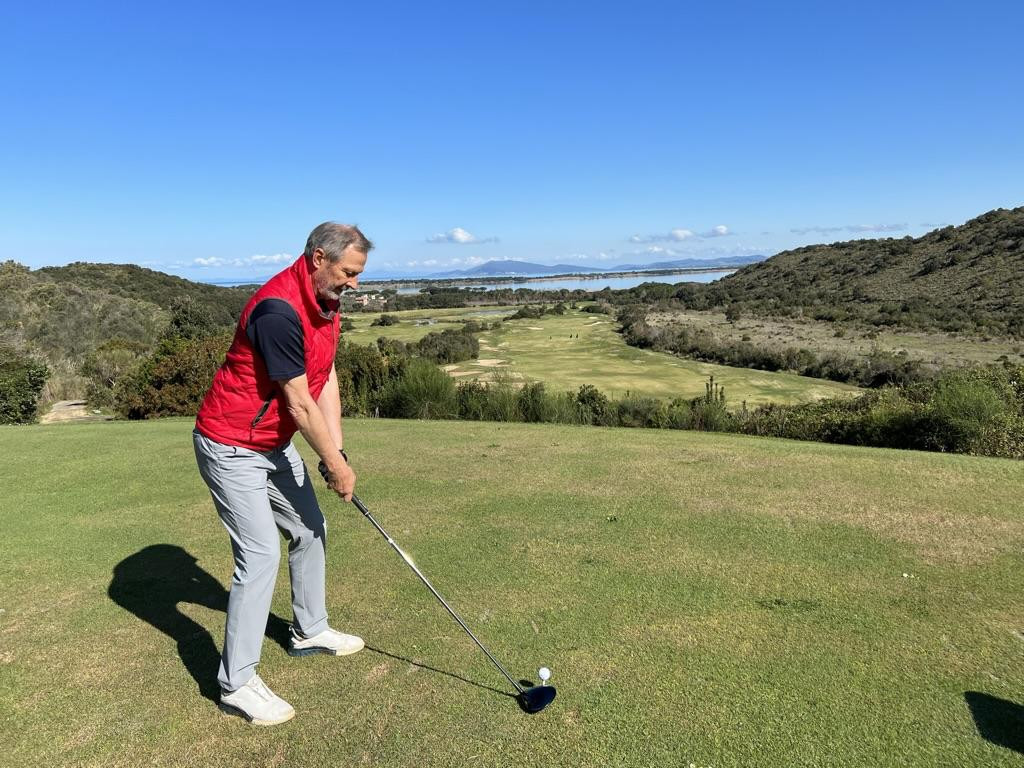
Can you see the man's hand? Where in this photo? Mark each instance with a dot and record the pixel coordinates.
(339, 477)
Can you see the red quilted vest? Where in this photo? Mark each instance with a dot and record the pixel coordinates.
(244, 406)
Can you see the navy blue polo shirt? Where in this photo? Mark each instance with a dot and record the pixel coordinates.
(276, 334)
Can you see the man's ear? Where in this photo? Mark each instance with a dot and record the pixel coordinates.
(318, 257)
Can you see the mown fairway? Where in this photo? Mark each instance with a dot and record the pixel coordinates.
(701, 599)
(579, 348)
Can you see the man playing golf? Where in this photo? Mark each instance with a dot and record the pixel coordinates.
(278, 378)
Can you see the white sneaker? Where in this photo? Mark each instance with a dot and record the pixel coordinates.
(329, 641)
(257, 704)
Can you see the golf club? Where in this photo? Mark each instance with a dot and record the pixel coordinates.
(533, 699)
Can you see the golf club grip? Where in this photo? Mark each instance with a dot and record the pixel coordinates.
(359, 505)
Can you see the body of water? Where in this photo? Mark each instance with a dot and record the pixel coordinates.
(588, 283)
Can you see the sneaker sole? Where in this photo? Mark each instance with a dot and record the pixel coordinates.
(227, 709)
(321, 649)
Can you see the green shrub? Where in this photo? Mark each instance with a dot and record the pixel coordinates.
(563, 408)
(363, 372)
(472, 399)
(105, 366)
(502, 401)
(593, 407)
(21, 381)
(173, 380)
(450, 346)
(976, 411)
(534, 404)
(679, 414)
(384, 320)
(423, 391)
(634, 411)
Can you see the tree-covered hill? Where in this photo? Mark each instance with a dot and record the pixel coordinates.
(66, 312)
(965, 278)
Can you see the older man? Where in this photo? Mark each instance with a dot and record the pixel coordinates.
(278, 378)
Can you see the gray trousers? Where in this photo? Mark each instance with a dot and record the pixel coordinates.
(255, 495)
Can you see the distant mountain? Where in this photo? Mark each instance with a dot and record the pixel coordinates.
(512, 268)
(966, 278)
(724, 261)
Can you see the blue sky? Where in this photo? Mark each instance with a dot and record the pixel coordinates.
(208, 139)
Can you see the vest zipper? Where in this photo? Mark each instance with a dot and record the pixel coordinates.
(263, 410)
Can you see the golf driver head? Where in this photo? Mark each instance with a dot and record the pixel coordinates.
(534, 699)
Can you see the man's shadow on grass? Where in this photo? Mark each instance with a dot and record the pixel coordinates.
(152, 582)
(997, 720)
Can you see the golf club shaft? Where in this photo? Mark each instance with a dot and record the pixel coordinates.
(408, 561)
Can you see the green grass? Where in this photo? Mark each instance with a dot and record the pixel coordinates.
(547, 349)
(414, 324)
(701, 599)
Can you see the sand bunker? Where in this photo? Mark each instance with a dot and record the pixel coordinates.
(490, 362)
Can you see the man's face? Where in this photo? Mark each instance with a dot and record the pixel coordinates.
(331, 278)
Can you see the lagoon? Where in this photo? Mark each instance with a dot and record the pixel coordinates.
(582, 283)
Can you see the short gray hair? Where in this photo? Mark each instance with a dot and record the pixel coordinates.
(333, 238)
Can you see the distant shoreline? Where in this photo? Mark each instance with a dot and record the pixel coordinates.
(382, 284)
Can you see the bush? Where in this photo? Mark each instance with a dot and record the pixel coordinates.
(979, 411)
(21, 381)
(633, 411)
(423, 391)
(976, 411)
(363, 373)
(593, 407)
(679, 414)
(502, 401)
(534, 403)
(173, 380)
(450, 346)
(562, 408)
(384, 320)
(105, 366)
(192, 320)
(472, 400)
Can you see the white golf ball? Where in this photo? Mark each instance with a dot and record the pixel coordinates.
(544, 673)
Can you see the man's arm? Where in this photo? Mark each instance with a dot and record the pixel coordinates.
(330, 406)
(318, 433)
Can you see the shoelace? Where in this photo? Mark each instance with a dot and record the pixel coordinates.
(260, 688)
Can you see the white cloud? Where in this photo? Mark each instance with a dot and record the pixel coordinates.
(460, 236)
(430, 262)
(720, 231)
(277, 258)
(856, 228)
(679, 234)
(256, 260)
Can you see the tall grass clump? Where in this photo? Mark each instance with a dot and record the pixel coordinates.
(502, 400)
(423, 391)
